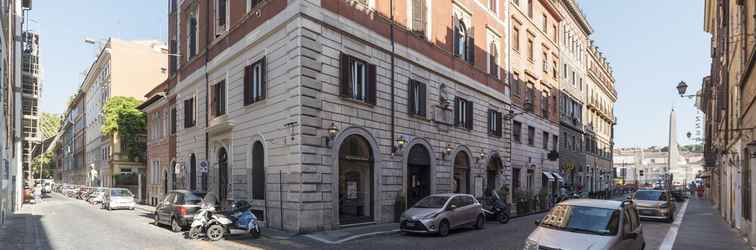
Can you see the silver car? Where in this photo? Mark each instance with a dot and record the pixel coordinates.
(589, 224)
(440, 213)
(655, 204)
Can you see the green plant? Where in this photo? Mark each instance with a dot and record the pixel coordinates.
(122, 117)
(43, 166)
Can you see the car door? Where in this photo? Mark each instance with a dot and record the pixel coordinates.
(166, 208)
(468, 206)
(455, 215)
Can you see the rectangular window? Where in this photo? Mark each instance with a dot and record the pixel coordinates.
(494, 123)
(516, 84)
(517, 131)
(554, 72)
(531, 180)
(531, 136)
(516, 38)
(219, 98)
(251, 4)
(358, 79)
(545, 62)
(555, 142)
(493, 5)
(189, 119)
(255, 82)
(545, 104)
(463, 113)
(530, 97)
(530, 50)
(172, 58)
(192, 35)
(545, 140)
(221, 17)
(419, 19)
(516, 179)
(493, 59)
(416, 103)
(545, 24)
(530, 8)
(564, 72)
(555, 33)
(173, 120)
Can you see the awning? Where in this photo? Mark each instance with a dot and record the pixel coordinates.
(548, 175)
(559, 177)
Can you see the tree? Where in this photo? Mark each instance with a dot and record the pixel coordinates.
(122, 117)
(43, 166)
(49, 124)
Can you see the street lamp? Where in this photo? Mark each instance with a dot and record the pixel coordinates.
(682, 87)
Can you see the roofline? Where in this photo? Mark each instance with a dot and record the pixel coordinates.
(576, 12)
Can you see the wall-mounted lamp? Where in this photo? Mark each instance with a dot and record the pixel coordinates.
(400, 142)
(446, 152)
(481, 156)
(332, 131)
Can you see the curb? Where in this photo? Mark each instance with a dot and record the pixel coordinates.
(353, 237)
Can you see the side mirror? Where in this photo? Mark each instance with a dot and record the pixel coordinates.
(537, 222)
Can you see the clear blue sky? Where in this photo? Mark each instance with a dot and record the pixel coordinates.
(651, 44)
(63, 25)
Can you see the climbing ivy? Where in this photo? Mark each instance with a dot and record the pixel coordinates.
(122, 116)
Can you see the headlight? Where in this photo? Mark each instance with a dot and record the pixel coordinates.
(531, 245)
(664, 205)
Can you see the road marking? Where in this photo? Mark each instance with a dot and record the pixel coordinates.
(669, 239)
(314, 237)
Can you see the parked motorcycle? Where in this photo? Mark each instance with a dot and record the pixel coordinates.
(216, 226)
(495, 208)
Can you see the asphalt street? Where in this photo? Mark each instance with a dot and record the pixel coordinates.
(72, 224)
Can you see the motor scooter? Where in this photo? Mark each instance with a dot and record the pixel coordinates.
(496, 208)
(215, 226)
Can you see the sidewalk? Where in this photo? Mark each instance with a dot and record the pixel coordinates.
(350, 233)
(145, 208)
(703, 228)
(24, 230)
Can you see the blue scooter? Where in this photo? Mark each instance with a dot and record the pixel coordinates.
(215, 226)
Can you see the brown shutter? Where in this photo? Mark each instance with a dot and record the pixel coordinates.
(411, 97)
(345, 80)
(456, 38)
(371, 84)
(416, 15)
(456, 111)
(471, 46)
(423, 104)
(247, 85)
(263, 79)
(423, 15)
(469, 114)
(498, 123)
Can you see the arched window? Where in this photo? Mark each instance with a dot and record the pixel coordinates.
(192, 172)
(258, 171)
(460, 38)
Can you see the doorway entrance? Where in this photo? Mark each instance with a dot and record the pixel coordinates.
(492, 172)
(222, 175)
(418, 174)
(355, 181)
(461, 180)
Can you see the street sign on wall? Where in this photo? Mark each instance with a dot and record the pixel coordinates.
(203, 166)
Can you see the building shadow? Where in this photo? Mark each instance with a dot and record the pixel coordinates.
(24, 231)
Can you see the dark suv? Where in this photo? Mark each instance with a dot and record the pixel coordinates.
(177, 209)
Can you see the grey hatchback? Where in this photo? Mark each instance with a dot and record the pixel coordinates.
(440, 213)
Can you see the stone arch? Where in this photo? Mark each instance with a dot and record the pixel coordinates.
(377, 160)
(432, 167)
(461, 182)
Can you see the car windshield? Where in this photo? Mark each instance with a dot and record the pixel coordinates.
(650, 195)
(432, 202)
(581, 219)
(120, 192)
(193, 198)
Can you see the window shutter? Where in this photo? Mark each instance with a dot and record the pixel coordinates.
(345, 81)
(371, 84)
(423, 17)
(263, 79)
(498, 123)
(416, 12)
(469, 112)
(423, 104)
(471, 46)
(411, 97)
(214, 102)
(456, 39)
(456, 111)
(247, 85)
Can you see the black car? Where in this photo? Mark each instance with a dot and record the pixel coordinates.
(679, 195)
(178, 208)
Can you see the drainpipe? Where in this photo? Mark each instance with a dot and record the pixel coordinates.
(207, 89)
(393, 103)
(508, 80)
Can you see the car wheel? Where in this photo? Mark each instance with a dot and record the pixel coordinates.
(503, 218)
(643, 247)
(175, 227)
(480, 223)
(443, 228)
(215, 232)
(157, 219)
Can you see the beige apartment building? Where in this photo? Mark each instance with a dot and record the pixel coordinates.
(600, 120)
(122, 68)
(534, 62)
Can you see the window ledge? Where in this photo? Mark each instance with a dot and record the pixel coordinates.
(352, 100)
(254, 104)
(419, 117)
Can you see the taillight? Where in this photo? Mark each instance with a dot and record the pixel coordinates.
(183, 211)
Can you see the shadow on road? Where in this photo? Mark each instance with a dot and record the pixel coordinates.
(24, 231)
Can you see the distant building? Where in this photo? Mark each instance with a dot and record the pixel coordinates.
(31, 79)
(646, 167)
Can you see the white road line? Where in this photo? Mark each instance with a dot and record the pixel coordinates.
(314, 237)
(669, 239)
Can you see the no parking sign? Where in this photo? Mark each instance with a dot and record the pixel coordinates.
(203, 166)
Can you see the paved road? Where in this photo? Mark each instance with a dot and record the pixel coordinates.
(62, 223)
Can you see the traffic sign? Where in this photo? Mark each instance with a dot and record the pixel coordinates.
(203, 166)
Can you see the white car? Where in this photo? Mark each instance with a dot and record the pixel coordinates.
(119, 198)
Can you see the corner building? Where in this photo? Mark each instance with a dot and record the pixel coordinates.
(302, 108)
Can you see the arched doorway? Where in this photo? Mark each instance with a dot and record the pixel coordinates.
(258, 171)
(192, 172)
(222, 175)
(355, 181)
(492, 172)
(461, 181)
(418, 174)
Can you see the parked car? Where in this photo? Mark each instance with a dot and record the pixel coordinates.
(589, 224)
(655, 204)
(117, 198)
(178, 208)
(440, 213)
(679, 195)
